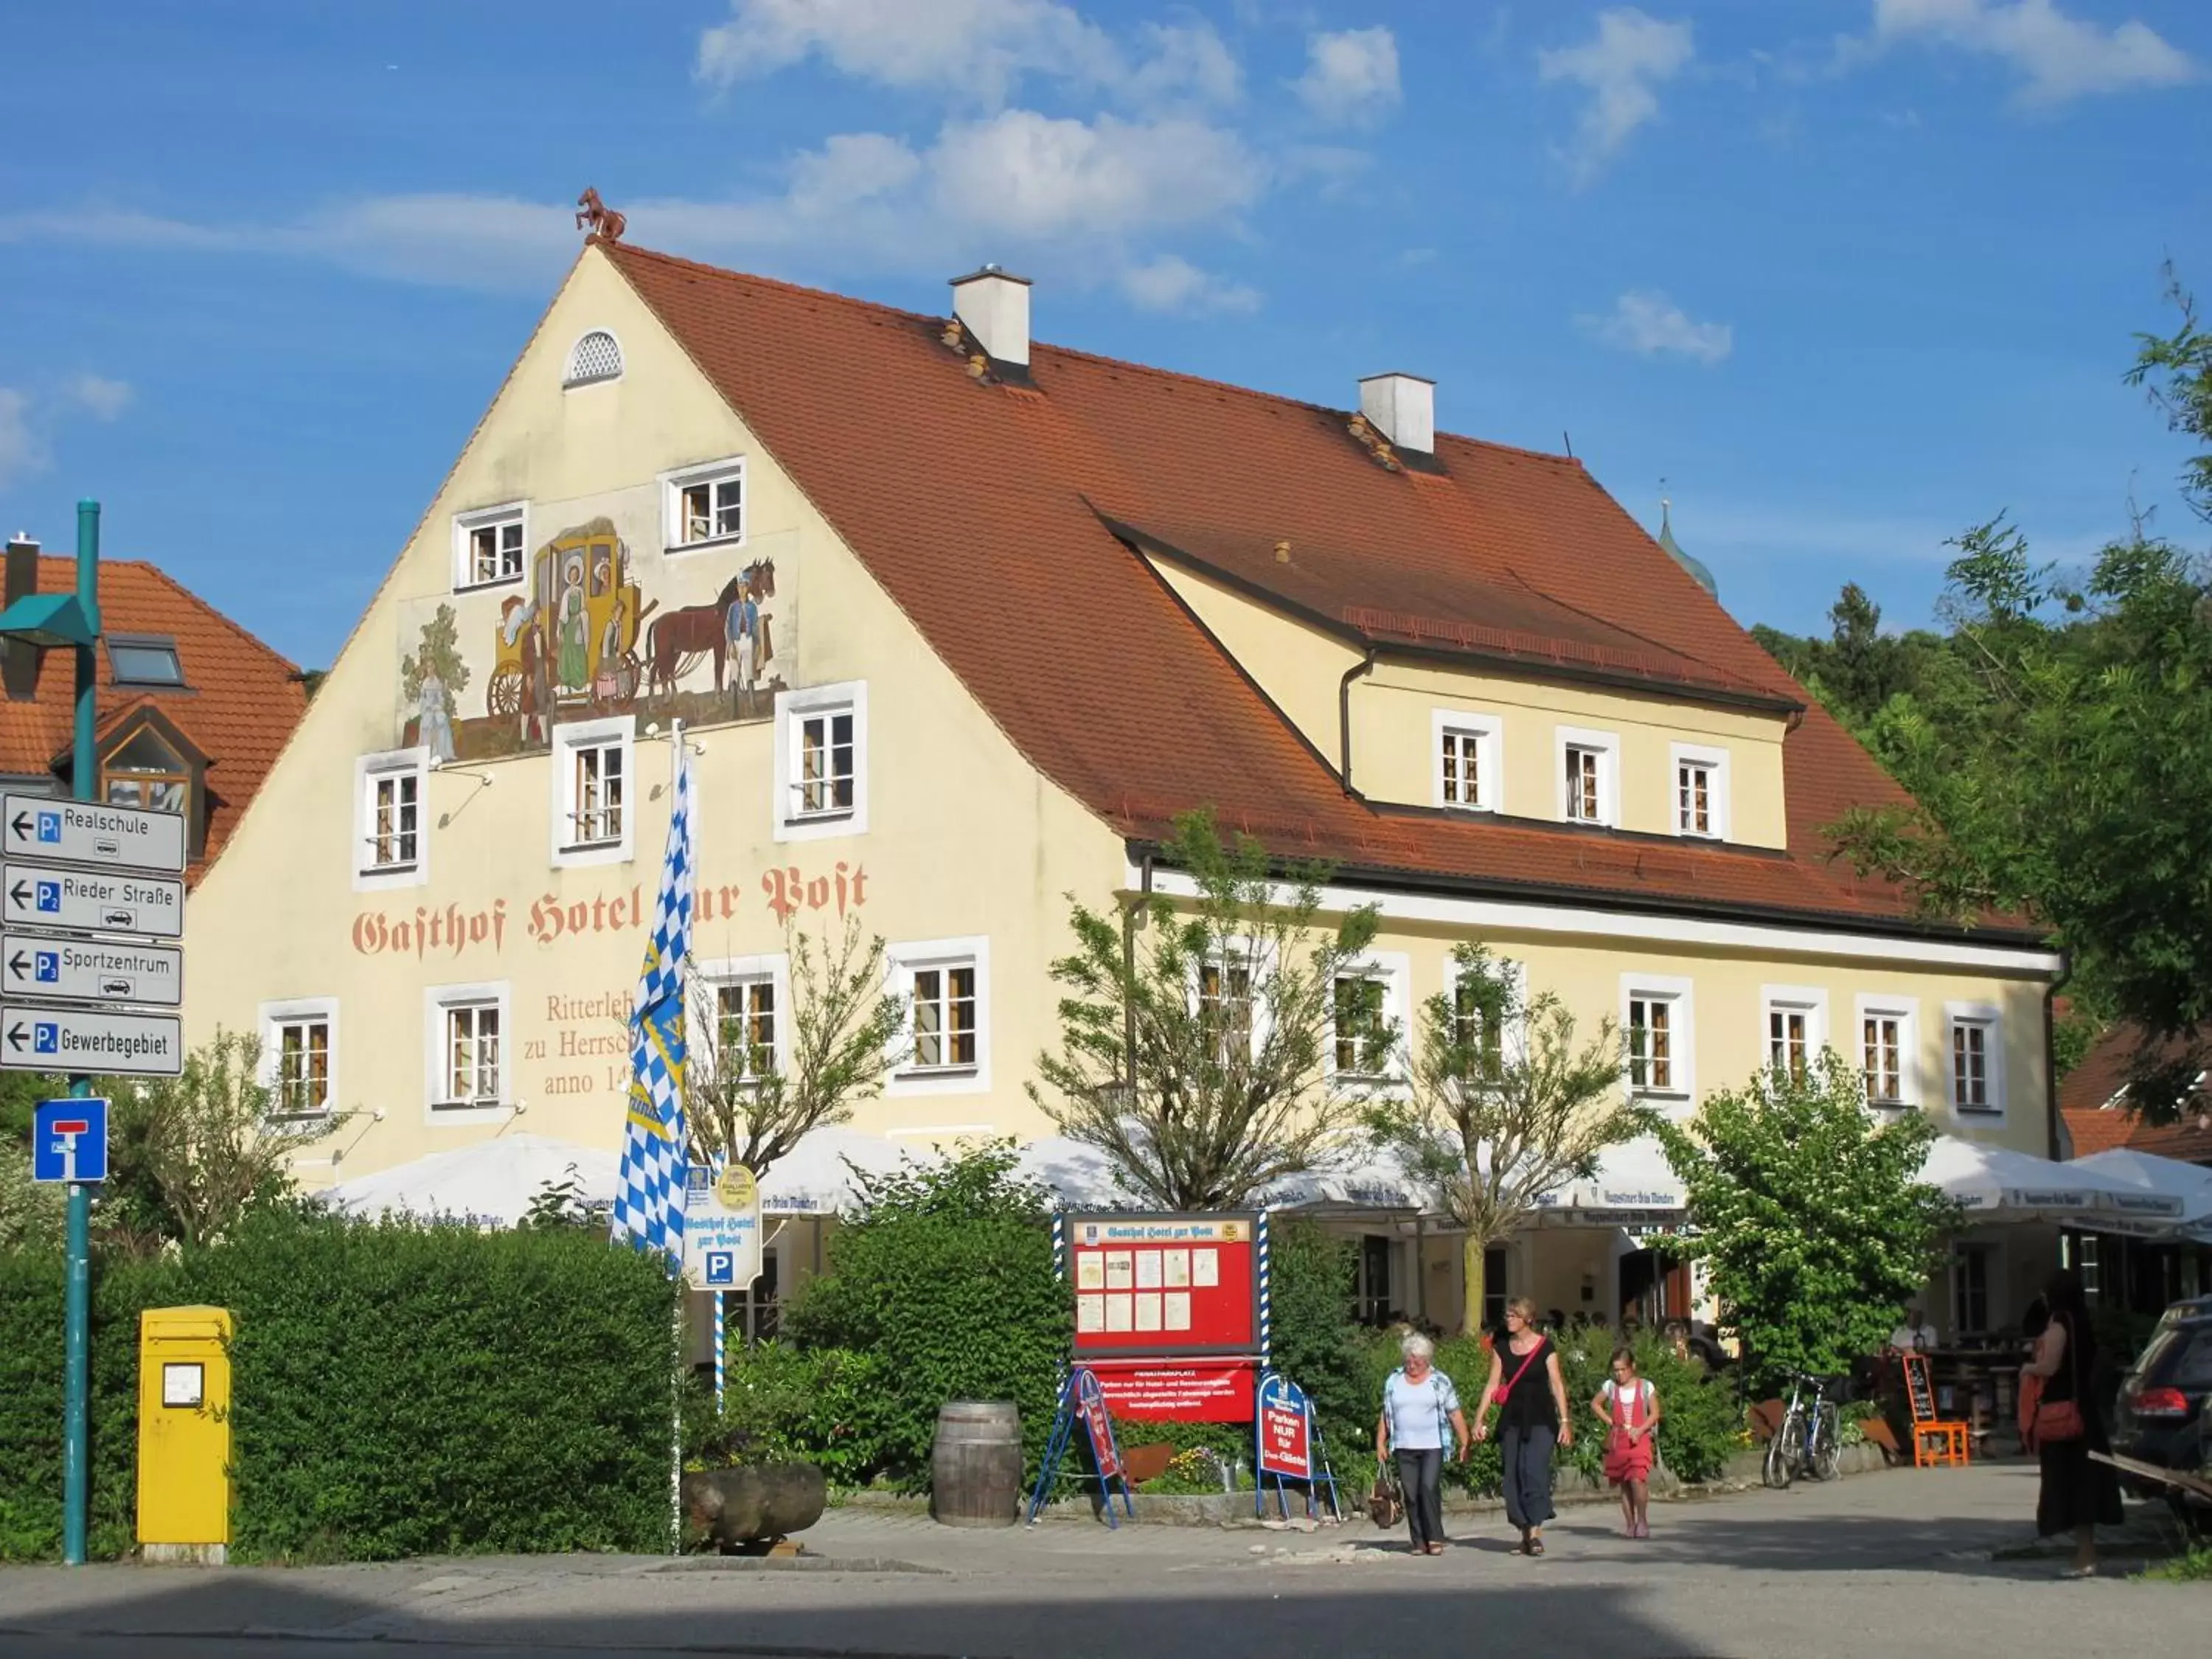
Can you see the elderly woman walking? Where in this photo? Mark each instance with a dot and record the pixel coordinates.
(1419, 1402)
(1532, 1417)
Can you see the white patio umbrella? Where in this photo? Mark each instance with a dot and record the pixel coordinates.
(2189, 1185)
(490, 1183)
(1633, 1183)
(1078, 1175)
(1377, 1180)
(1997, 1183)
(814, 1177)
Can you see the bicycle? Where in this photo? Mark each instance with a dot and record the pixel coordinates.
(1809, 1438)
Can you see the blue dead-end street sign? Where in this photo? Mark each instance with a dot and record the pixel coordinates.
(68, 1141)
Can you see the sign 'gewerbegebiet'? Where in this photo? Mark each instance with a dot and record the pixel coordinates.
(91, 970)
(92, 902)
(93, 832)
(88, 1039)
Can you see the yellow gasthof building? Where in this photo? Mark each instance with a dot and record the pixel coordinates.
(960, 623)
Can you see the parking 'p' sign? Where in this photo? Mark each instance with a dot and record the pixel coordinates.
(68, 1141)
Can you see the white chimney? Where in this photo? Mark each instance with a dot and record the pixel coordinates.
(1403, 409)
(995, 307)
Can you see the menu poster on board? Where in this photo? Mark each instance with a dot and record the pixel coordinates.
(1166, 1285)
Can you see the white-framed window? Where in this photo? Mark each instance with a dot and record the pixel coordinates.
(1468, 767)
(946, 987)
(704, 506)
(1701, 792)
(1889, 1049)
(594, 765)
(1479, 1029)
(1796, 1028)
(1368, 1016)
(464, 1036)
(391, 819)
(1974, 1054)
(300, 1056)
(1225, 1006)
(748, 1004)
(1658, 1047)
(1588, 771)
(491, 545)
(596, 356)
(822, 762)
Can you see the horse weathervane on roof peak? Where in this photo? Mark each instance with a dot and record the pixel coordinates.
(595, 218)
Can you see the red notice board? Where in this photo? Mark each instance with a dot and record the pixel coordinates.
(1164, 1285)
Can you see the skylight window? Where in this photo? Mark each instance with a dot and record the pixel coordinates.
(144, 661)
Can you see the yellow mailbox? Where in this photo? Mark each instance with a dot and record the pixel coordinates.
(184, 1433)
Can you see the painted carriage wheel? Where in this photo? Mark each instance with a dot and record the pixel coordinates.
(503, 696)
(630, 674)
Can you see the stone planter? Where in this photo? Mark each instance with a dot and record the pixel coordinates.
(754, 1506)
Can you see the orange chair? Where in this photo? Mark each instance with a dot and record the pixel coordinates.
(1936, 1441)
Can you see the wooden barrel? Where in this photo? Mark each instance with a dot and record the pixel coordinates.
(975, 1470)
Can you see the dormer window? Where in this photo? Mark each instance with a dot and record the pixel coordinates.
(144, 771)
(135, 659)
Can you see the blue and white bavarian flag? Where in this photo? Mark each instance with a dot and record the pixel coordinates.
(649, 1198)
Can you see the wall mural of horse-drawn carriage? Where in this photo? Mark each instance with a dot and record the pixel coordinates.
(579, 639)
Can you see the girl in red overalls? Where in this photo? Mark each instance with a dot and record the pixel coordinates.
(1628, 1405)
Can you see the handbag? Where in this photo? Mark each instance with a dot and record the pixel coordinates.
(2060, 1420)
(1498, 1395)
(1386, 1504)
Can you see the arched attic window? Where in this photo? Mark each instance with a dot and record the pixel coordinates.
(596, 357)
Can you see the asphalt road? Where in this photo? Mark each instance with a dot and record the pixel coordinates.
(1935, 1562)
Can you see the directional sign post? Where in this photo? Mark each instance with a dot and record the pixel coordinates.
(119, 838)
(84, 1040)
(92, 902)
(91, 970)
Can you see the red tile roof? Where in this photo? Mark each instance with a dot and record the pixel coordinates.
(2099, 1115)
(240, 703)
(984, 507)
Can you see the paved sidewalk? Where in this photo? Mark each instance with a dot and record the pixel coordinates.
(1936, 1561)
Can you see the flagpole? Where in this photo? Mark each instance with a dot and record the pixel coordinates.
(676, 759)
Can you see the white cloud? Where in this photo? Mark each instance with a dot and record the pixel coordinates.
(1171, 282)
(974, 52)
(2059, 56)
(1352, 77)
(1621, 66)
(1034, 176)
(22, 452)
(1651, 325)
(100, 396)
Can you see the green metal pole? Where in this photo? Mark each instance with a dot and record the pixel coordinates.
(84, 766)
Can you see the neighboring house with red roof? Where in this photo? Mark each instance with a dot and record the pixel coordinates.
(2102, 1109)
(191, 711)
(959, 623)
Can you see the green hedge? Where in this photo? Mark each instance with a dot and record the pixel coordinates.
(396, 1390)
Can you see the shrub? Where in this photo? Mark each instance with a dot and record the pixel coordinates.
(781, 1404)
(945, 1281)
(1315, 1342)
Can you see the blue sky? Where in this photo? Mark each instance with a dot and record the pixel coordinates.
(1850, 275)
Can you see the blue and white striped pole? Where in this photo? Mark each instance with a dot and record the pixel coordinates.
(1059, 1244)
(1267, 1293)
(722, 1353)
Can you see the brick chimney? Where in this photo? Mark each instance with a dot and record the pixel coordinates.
(19, 659)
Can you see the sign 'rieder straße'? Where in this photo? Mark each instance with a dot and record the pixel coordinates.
(92, 902)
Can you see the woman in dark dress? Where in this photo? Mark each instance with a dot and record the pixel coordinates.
(1533, 1416)
(2079, 1494)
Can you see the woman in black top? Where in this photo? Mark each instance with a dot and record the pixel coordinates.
(2078, 1494)
(1532, 1416)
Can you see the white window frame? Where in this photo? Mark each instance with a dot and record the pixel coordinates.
(1393, 970)
(570, 382)
(772, 969)
(1905, 1011)
(1608, 746)
(904, 961)
(1715, 762)
(614, 730)
(1990, 1018)
(1488, 733)
(479, 518)
(1513, 1041)
(1682, 1047)
(367, 770)
(672, 486)
(792, 709)
(436, 1001)
(294, 1010)
(1809, 1000)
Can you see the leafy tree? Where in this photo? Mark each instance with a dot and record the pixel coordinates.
(30, 1212)
(207, 1141)
(841, 1034)
(440, 653)
(1504, 1106)
(1810, 1215)
(1200, 1049)
(1857, 669)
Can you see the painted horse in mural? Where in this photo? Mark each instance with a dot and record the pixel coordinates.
(731, 624)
